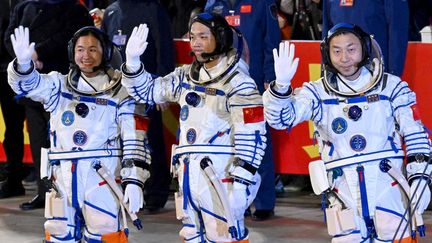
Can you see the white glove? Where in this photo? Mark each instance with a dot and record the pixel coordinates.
(20, 43)
(134, 195)
(284, 65)
(237, 200)
(424, 200)
(136, 46)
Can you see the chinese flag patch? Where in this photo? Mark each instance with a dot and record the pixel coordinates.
(416, 112)
(253, 114)
(246, 8)
(141, 123)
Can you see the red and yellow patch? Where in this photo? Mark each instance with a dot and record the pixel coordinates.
(253, 114)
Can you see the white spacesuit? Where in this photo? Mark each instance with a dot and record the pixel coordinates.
(360, 125)
(221, 135)
(94, 124)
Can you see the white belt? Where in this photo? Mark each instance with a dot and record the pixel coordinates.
(364, 158)
(85, 154)
(204, 149)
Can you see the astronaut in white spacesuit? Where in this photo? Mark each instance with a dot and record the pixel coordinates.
(222, 128)
(95, 126)
(362, 116)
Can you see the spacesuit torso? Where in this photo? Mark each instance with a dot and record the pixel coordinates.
(220, 119)
(92, 122)
(355, 135)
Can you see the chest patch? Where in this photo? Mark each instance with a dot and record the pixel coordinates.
(339, 125)
(80, 138)
(68, 118)
(358, 143)
(191, 136)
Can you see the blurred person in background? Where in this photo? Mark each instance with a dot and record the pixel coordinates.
(13, 116)
(51, 23)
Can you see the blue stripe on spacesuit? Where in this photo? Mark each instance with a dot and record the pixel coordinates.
(354, 100)
(364, 200)
(90, 240)
(75, 204)
(327, 163)
(176, 89)
(100, 209)
(214, 215)
(90, 233)
(67, 237)
(392, 212)
(392, 144)
(29, 84)
(201, 89)
(192, 238)
(49, 106)
(290, 115)
(412, 134)
(87, 99)
(58, 218)
(245, 105)
(187, 197)
(404, 105)
(397, 89)
(318, 108)
(145, 89)
(240, 88)
(412, 141)
(249, 95)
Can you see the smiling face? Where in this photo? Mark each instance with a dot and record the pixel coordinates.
(202, 41)
(88, 55)
(346, 54)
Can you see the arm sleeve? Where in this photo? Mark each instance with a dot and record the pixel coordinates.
(283, 111)
(245, 104)
(44, 88)
(406, 114)
(134, 125)
(145, 88)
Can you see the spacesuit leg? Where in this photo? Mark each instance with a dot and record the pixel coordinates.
(59, 213)
(343, 223)
(192, 230)
(101, 212)
(214, 214)
(389, 209)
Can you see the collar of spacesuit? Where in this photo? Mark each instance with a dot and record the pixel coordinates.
(199, 74)
(105, 82)
(368, 80)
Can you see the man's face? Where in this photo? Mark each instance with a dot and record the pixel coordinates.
(88, 55)
(346, 54)
(201, 40)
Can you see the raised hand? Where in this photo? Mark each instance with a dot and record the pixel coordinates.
(136, 45)
(20, 43)
(285, 65)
